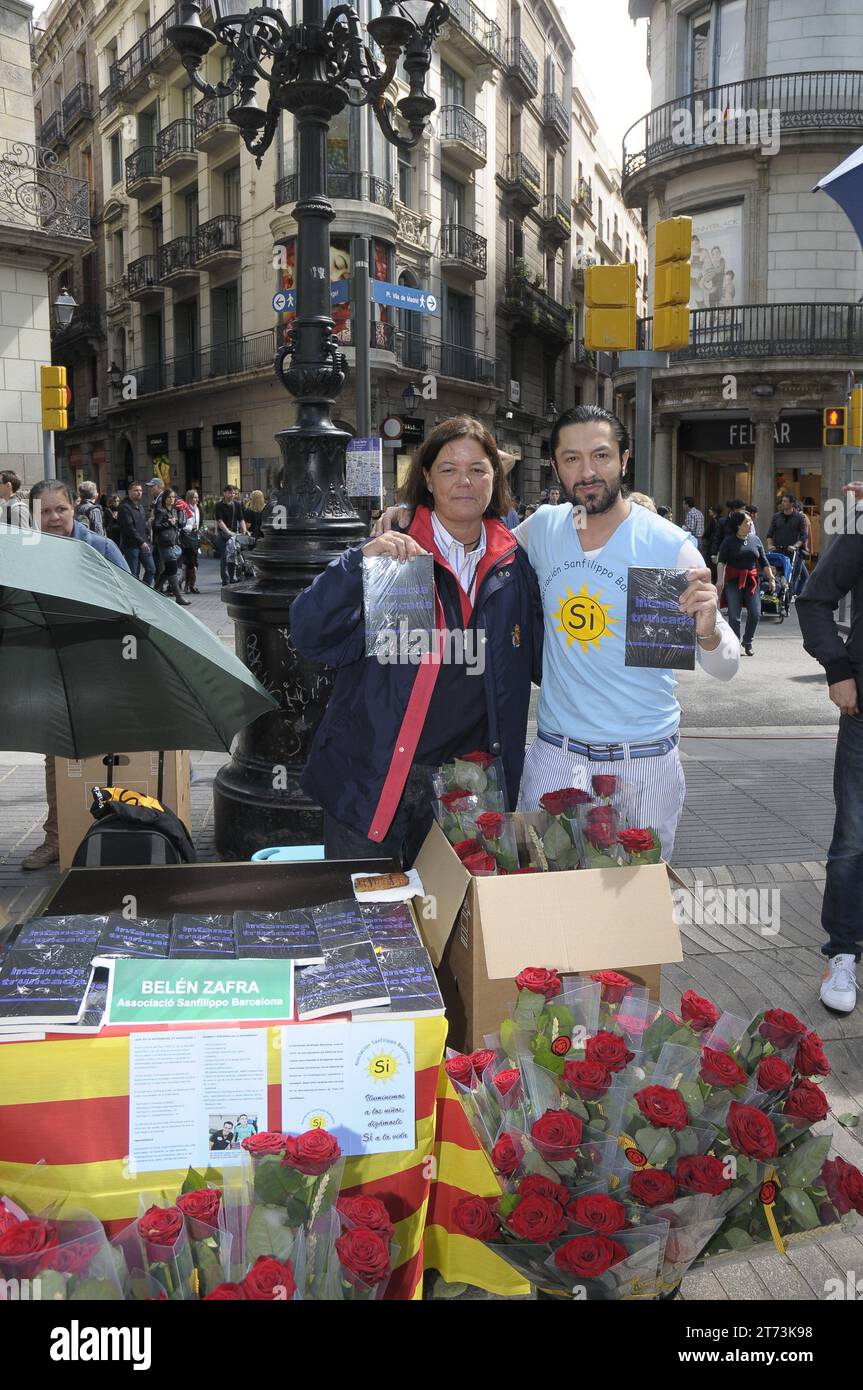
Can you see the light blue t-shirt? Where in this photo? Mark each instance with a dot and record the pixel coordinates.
(587, 692)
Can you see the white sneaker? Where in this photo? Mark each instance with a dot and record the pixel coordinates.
(839, 987)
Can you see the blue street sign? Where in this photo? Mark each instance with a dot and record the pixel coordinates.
(285, 301)
(280, 301)
(404, 297)
(339, 291)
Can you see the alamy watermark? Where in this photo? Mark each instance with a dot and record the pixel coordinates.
(707, 906)
(697, 124)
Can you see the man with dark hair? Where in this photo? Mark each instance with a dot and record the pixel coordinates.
(13, 507)
(135, 534)
(554, 495)
(229, 524)
(789, 531)
(598, 716)
(54, 514)
(693, 519)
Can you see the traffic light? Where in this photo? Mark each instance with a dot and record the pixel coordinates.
(835, 422)
(609, 294)
(855, 431)
(54, 398)
(672, 284)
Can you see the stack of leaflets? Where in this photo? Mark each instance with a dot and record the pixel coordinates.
(278, 936)
(403, 959)
(47, 972)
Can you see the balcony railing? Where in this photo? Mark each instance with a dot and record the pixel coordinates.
(78, 105)
(86, 323)
(177, 256)
(178, 138)
(211, 115)
(803, 101)
(769, 330)
(522, 67)
(535, 307)
(152, 46)
(143, 274)
(141, 165)
(555, 116)
(342, 183)
(36, 194)
(474, 24)
(286, 191)
(381, 336)
(584, 197)
(444, 359)
(523, 178)
(220, 234)
(458, 124)
(465, 246)
(556, 216)
(412, 227)
(234, 358)
(52, 132)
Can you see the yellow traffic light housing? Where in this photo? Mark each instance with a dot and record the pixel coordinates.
(855, 427)
(835, 426)
(54, 398)
(610, 317)
(672, 284)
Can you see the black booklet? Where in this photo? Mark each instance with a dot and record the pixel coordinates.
(340, 924)
(203, 937)
(69, 940)
(278, 936)
(42, 992)
(349, 979)
(93, 1014)
(657, 633)
(389, 925)
(410, 981)
(135, 937)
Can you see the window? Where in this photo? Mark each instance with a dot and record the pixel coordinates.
(117, 257)
(407, 179)
(231, 191)
(550, 179)
(189, 102)
(452, 201)
(81, 64)
(190, 203)
(116, 159)
(453, 86)
(514, 130)
(88, 279)
(715, 52)
(87, 166)
(551, 274)
(599, 220)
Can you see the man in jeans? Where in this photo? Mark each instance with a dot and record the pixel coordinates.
(135, 534)
(788, 532)
(840, 572)
(229, 522)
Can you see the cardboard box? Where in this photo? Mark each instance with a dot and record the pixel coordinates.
(483, 931)
(139, 771)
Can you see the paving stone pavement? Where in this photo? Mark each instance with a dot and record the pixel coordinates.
(757, 822)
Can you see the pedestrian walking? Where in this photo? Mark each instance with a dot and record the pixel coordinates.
(166, 531)
(88, 511)
(693, 520)
(111, 517)
(189, 509)
(55, 515)
(229, 524)
(788, 533)
(740, 559)
(253, 514)
(135, 534)
(714, 534)
(14, 510)
(155, 488)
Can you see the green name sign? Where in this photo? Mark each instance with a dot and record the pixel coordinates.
(195, 991)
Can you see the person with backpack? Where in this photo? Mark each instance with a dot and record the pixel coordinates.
(166, 532)
(88, 511)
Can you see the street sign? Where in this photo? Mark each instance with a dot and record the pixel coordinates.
(365, 459)
(339, 291)
(392, 429)
(404, 297)
(280, 302)
(285, 301)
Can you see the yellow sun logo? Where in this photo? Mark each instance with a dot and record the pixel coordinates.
(583, 618)
(383, 1067)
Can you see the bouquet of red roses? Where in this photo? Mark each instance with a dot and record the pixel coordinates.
(157, 1254)
(62, 1257)
(294, 1180)
(560, 840)
(268, 1281)
(478, 782)
(351, 1252)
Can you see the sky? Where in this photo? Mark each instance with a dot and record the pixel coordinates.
(610, 50)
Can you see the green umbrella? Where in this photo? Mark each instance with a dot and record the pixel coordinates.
(92, 661)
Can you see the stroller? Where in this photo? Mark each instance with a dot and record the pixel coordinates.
(776, 605)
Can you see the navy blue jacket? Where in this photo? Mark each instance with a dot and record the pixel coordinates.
(355, 743)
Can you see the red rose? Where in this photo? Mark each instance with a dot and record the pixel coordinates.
(718, 1069)
(844, 1184)
(600, 826)
(600, 1213)
(604, 785)
(490, 824)
(506, 1080)
(559, 803)
(369, 1212)
(480, 1060)
(539, 981)
(161, 1225)
(312, 1153)
(73, 1258)
(234, 1292)
(810, 1059)
(456, 800)
(653, 1187)
(609, 1049)
(536, 1185)
(806, 1103)
(781, 1028)
(538, 1219)
(201, 1210)
(7, 1219)
(767, 1193)
(365, 1255)
(28, 1238)
(268, 1142)
(481, 759)
(586, 1257)
(751, 1131)
(636, 841)
(773, 1074)
(479, 863)
(614, 985)
(507, 1154)
(589, 1080)
(460, 1069)
(662, 1107)
(702, 1173)
(697, 1012)
(557, 1135)
(269, 1280)
(475, 1216)
(465, 848)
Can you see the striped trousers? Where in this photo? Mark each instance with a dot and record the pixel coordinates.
(650, 790)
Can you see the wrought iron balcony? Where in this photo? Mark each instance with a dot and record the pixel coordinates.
(142, 174)
(85, 326)
(769, 330)
(52, 132)
(555, 117)
(213, 126)
(584, 197)
(238, 356)
(522, 181)
(462, 137)
(444, 359)
(412, 227)
(153, 49)
(178, 260)
(471, 31)
(37, 195)
(689, 125)
(463, 249)
(142, 278)
(522, 68)
(218, 239)
(117, 297)
(342, 183)
(556, 219)
(286, 191)
(528, 304)
(78, 106)
(175, 146)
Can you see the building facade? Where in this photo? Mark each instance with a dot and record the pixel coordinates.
(753, 103)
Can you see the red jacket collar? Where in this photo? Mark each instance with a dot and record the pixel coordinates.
(500, 544)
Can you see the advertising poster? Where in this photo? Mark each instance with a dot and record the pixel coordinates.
(717, 258)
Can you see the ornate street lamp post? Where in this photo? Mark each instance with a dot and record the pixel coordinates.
(313, 70)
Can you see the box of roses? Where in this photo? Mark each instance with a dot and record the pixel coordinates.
(481, 931)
